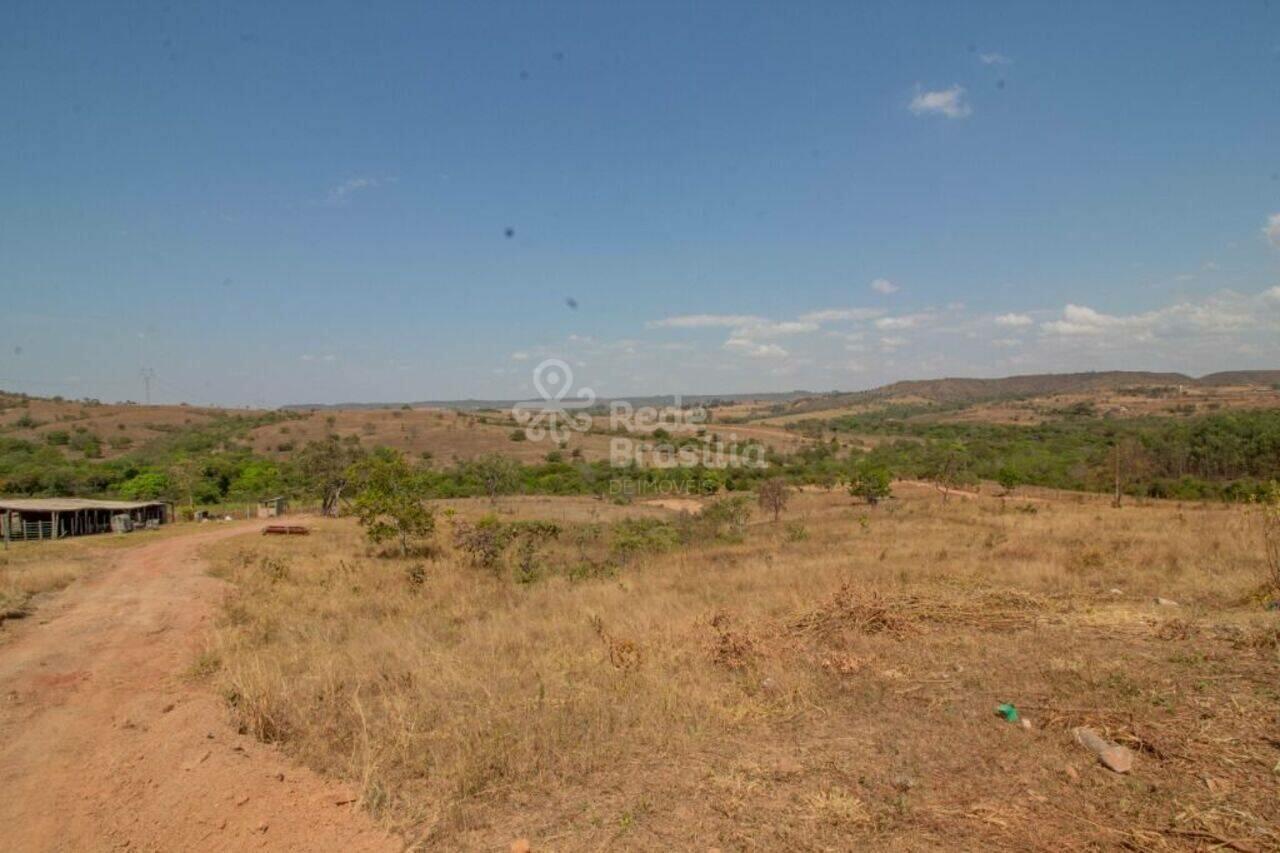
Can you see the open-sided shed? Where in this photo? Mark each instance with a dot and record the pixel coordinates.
(54, 518)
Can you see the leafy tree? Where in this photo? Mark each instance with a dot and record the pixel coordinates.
(145, 486)
(870, 481)
(322, 467)
(725, 518)
(257, 480)
(391, 503)
(1009, 477)
(948, 465)
(184, 474)
(498, 475)
(773, 495)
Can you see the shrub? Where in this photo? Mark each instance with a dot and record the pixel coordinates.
(1269, 517)
(870, 482)
(796, 531)
(773, 495)
(635, 536)
(482, 542)
(726, 518)
(391, 503)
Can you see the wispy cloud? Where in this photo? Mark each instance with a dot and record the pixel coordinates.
(1014, 320)
(1224, 314)
(906, 321)
(994, 58)
(883, 285)
(948, 102)
(1272, 230)
(342, 193)
(835, 315)
(753, 349)
(705, 321)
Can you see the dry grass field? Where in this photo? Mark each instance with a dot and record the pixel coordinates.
(445, 434)
(1192, 401)
(826, 682)
(119, 428)
(1118, 403)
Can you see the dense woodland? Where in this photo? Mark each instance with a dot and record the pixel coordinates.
(1222, 455)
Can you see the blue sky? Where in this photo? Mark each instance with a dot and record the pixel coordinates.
(327, 202)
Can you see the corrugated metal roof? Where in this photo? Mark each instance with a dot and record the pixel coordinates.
(70, 504)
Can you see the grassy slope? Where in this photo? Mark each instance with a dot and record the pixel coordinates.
(783, 693)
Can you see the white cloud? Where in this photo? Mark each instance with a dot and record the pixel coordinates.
(750, 348)
(1222, 314)
(907, 321)
(340, 193)
(831, 315)
(519, 356)
(1272, 230)
(706, 321)
(768, 329)
(892, 342)
(994, 59)
(1083, 320)
(1014, 320)
(883, 285)
(948, 102)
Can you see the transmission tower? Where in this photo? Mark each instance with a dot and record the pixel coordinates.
(147, 375)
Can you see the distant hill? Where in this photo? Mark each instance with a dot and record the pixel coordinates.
(1242, 377)
(656, 400)
(964, 391)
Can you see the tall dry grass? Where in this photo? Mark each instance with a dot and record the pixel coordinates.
(782, 691)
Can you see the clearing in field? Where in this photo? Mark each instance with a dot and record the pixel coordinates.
(591, 676)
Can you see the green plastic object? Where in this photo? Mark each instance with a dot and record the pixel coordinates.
(1008, 712)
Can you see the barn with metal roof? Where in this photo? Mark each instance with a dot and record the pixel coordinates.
(55, 518)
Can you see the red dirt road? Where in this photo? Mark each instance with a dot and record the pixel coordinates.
(105, 746)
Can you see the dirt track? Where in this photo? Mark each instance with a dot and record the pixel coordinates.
(105, 746)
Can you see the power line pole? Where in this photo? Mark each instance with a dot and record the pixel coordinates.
(147, 375)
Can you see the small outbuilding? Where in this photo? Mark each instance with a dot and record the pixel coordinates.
(55, 518)
(272, 507)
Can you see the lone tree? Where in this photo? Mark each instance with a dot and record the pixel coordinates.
(773, 495)
(497, 474)
(947, 464)
(1009, 477)
(870, 482)
(323, 467)
(391, 502)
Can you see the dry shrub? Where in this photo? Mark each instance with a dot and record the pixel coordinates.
(900, 616)
(1176, 629)
(730, 648)
(851, 609)
(624, 654)
(1265, 638)
(1269, 523)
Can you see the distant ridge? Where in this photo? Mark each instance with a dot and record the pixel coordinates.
(949, 390)
(956, 390)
